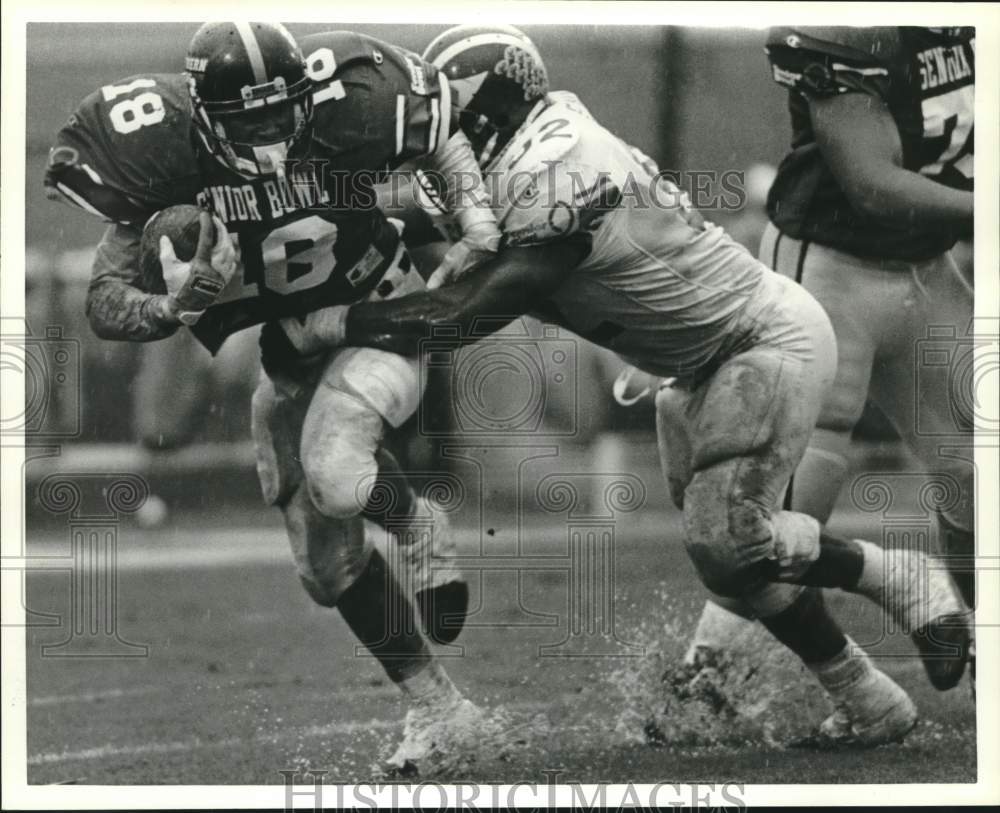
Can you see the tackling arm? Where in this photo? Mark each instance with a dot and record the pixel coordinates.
(860, 143)
(501, 290)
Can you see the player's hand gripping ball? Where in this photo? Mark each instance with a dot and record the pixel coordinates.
(187, 254)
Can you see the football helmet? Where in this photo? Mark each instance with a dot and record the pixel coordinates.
(251, 96)
(498, 76)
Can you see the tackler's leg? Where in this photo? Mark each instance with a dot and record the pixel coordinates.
(724, 620)
(350, 473)
(749, 425)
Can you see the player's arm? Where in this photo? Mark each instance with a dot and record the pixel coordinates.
(844, 75)
(445, 153)
(508, 286)
(119, 309)
(116, 307)
(511, 284)
(860, 144)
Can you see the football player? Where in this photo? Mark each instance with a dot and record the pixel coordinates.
(283, 144)
(596, 242)
(877, 188)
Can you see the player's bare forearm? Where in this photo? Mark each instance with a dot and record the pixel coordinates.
(119, 312)
(481, 303)
(860, 143)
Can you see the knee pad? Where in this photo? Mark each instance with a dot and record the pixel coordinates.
(733, 539)
(390, 384)
(726, 543)
(339, 439)
(329, 554)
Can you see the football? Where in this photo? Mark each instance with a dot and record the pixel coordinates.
(182, 225)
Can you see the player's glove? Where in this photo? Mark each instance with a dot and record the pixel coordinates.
(194, 286)
(479, 243)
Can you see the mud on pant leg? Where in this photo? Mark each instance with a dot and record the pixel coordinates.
(359, 390)
(674, 445)
(329, 553)
(749, 425)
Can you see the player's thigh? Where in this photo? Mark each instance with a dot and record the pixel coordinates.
(846, 297)
(925, 377)
(924, 373)
(359, 389)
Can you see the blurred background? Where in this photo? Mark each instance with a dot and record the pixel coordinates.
(693, 99)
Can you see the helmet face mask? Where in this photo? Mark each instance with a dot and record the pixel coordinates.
(252, 98)
(498, 76)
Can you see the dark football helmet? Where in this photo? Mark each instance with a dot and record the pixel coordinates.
(251, 96)
(498, 76)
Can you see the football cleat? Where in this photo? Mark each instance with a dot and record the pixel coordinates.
(437, 737)
(439, 588)
(876, 711)
(919, 595)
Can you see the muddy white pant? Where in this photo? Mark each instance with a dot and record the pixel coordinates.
(731, 437)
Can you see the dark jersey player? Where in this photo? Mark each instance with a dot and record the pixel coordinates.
(283, 145)
(876, 189)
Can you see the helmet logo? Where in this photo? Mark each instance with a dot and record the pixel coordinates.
(521, 66)
(195, 64)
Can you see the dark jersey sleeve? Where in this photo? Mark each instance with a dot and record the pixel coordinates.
(376, 105)
(825, 61)
(126, 152)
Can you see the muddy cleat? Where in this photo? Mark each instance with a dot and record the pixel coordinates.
(437, 738)
(870, 707)
(917, 592)
(945, 646)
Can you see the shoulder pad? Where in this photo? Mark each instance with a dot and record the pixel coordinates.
(865, 45)
(548, 137)
(347, 47)
(830, 60)
(126, 152)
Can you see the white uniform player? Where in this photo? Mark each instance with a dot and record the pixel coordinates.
(593, 242)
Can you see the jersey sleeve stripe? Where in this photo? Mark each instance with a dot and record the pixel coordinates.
(838, 66)
(442, 110)
(432, 136)
(93, 175)
(76, 199)
(400, 122)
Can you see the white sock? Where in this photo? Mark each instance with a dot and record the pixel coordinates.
(430, 686)
(871, 583)
(843, 671)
